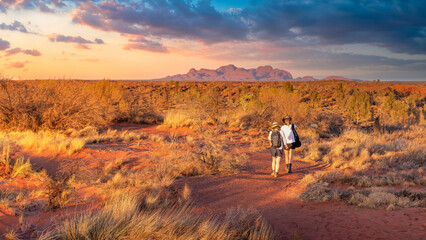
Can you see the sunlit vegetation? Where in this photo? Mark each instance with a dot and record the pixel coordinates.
(368, 136)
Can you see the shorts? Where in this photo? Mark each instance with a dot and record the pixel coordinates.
(292, 146)
(275, 152)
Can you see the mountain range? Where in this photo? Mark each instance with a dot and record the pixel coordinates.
(232, 73)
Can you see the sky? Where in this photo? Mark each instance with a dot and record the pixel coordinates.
(148, 39)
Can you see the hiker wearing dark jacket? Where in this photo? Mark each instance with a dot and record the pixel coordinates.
(276, 141)
(289, 140)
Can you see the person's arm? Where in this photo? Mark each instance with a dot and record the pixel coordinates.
(283, 136)
(269, 138)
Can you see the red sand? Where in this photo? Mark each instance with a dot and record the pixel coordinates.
(274, 198)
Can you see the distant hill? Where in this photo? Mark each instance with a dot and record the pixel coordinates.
(337, 78)
(305, 78)
(232, 73)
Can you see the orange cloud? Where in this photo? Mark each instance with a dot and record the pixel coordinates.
(17, 64)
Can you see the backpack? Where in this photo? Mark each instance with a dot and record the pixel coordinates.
(297, 142)
(276, 139)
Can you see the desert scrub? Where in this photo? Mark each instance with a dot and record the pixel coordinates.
(41, 141)
(374, 197)
(366, 162)
(58, 191)
(196, 157)
(92, 135)
(176, 119)
(359, 150)
(362, 179)
(124, 217)
(55, 105)
(19, 167)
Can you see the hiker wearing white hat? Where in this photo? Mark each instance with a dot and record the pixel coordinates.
(289, 140)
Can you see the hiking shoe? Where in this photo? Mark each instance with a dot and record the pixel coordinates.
(273, 174)
(276, 175)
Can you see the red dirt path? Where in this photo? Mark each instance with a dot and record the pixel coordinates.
(274, 198)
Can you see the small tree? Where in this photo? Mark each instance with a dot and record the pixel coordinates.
(288, 86)
(358, 105)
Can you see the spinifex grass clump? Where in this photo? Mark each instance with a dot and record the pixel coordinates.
(14, 168)
(126, 217)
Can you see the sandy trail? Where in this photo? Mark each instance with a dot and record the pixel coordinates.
(275, 199)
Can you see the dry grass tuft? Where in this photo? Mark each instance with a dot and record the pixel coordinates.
(177, 119)
(54, 142)
(124, 217)
(59, 192)
(17, 168)
(374, 197)
(91, 135)
(11, 235)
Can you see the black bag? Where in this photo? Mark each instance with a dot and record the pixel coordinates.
(297, 142)
(276, 139)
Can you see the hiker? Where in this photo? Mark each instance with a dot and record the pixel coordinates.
(289, 140)
(276, 141)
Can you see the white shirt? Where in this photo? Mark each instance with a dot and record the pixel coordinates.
(282, 137)
(288, 133)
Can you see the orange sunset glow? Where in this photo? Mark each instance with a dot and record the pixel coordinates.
(153, 39)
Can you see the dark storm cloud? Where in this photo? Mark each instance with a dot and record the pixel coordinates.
(4, 44)
(398, 25)
(145, 45)
(197, 20)
(15, 26)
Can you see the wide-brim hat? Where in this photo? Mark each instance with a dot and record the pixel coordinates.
(286, 117)
(275, 125)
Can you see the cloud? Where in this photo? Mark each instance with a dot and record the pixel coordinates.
(80, 41)
(17, 65)
(15, 26)
(4, 44)
(13, 51)
(33, 52)
(145, 45)
(42, 5)
(161, 18)
(318, 61)
(398, 25)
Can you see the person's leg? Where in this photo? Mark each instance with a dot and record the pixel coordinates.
(290, 159)
(273, 165)
(277, 164)
(285, 156)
